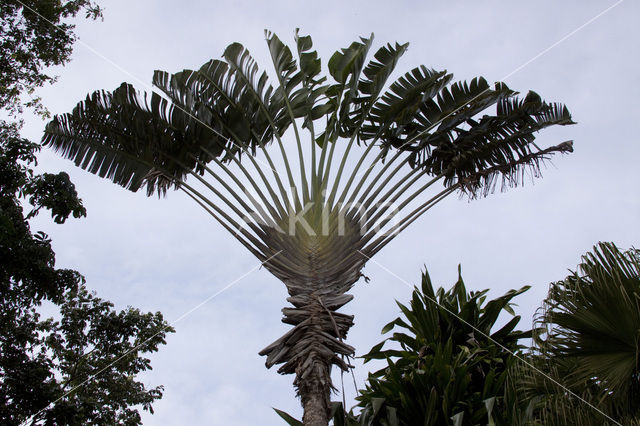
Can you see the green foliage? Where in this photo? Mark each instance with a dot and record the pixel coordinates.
(54, 192)
(590, 323)
(594, 315)
(34, 36)
(288, 418)
(42, 359)
(28, 260)
(79, 366)
(443, 366)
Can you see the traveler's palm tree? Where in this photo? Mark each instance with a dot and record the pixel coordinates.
(313, 206)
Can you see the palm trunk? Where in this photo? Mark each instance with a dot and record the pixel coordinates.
(318, 271)
(311, 348)
(315, 390)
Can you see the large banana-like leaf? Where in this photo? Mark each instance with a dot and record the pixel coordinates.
(400, 104)
(346, 66)
(135, 140)
(239, 115)
(497, 146)
(376, 74)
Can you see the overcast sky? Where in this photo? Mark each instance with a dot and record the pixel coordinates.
(169, 255)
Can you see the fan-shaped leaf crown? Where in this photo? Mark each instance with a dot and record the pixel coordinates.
(228, 108)
(420, 129)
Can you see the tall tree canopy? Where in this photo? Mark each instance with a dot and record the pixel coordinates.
(43, 360)
(34, 35)
(78, 366)
(212, 133)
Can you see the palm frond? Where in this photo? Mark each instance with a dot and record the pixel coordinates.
(399, 105)
(443, 137)
(375, 76)
(294, 96)
(135, 141)
(294, 92)
(211, 87)
(592, 320)
(346, 66)
(498, 147)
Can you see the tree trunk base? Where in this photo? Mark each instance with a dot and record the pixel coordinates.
(314, 390)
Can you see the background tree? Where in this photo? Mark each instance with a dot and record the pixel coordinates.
(314, 232)
(590, 323)
(35, 35)
(43, 360)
